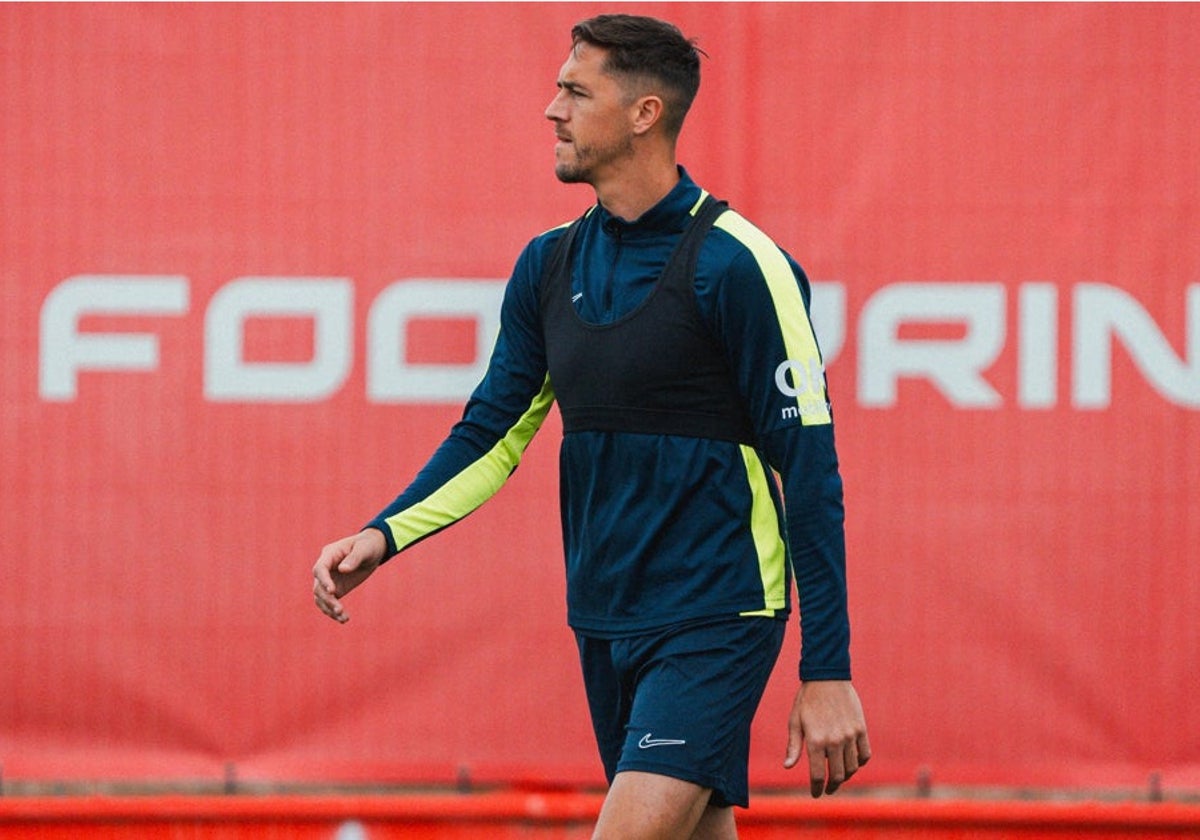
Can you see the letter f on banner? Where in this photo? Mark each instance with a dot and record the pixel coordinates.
(65, 351)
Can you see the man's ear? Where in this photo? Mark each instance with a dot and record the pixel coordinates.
(647, 111)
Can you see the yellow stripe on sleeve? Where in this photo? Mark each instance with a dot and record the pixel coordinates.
(764, 527)
(800, 342)
(475, 484)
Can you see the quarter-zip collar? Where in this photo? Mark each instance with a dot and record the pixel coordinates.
(669, 215)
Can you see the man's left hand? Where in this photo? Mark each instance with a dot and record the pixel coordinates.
(827, 721)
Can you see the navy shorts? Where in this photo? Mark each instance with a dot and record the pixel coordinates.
(679, 701)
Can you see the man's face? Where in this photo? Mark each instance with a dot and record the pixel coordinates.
(592, 119)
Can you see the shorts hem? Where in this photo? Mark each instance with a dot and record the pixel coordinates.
(717, 785)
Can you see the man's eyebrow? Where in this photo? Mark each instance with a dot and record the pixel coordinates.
(571, 87)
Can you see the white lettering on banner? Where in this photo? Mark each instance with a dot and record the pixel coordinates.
(64, 351)
(1037, 350)
(328, 301)
(955, 367)
(390, 377)
(1101, 315)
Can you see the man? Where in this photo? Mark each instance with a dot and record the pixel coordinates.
(675, 337)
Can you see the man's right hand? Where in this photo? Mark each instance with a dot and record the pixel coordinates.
(342, 566)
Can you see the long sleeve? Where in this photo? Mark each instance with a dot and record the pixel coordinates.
(756, 299)
(499, 420)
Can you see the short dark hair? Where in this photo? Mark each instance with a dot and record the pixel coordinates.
(648, 49)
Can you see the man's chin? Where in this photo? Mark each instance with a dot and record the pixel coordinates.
(570, 174)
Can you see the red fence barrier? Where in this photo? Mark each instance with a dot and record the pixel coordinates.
(570, 816)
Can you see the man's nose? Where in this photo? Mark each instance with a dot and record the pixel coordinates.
(554, 111)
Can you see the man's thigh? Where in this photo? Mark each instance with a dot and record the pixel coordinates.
(647, 806)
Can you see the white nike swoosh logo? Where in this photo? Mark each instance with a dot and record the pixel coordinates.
(647, 742)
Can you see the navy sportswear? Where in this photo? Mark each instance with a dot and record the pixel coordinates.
(664, 527)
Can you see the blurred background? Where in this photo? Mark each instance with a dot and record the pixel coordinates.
(250, 257)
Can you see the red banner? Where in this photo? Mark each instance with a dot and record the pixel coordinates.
(250, 259)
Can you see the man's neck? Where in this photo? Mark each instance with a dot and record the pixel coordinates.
(631, 193)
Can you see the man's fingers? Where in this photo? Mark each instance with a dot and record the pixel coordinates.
(850, 760)
(353, 559)
(864, 749)
(827, 769)
(837, 770)
(325, 588)
(332, 556)
(816, 771)
(361, 552)
(323, 580)
(794, 745)
(328, 603)
(831, 767)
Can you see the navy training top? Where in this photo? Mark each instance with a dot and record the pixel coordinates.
(659, 528)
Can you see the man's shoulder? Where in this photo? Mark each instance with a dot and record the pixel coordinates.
(538, 250)
(549, 238)
(738, 254)
(737, 241)
(543, 244)
(737, 232)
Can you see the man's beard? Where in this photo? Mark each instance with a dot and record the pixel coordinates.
(582, 168)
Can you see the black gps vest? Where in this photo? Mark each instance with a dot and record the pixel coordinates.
(655, 370)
